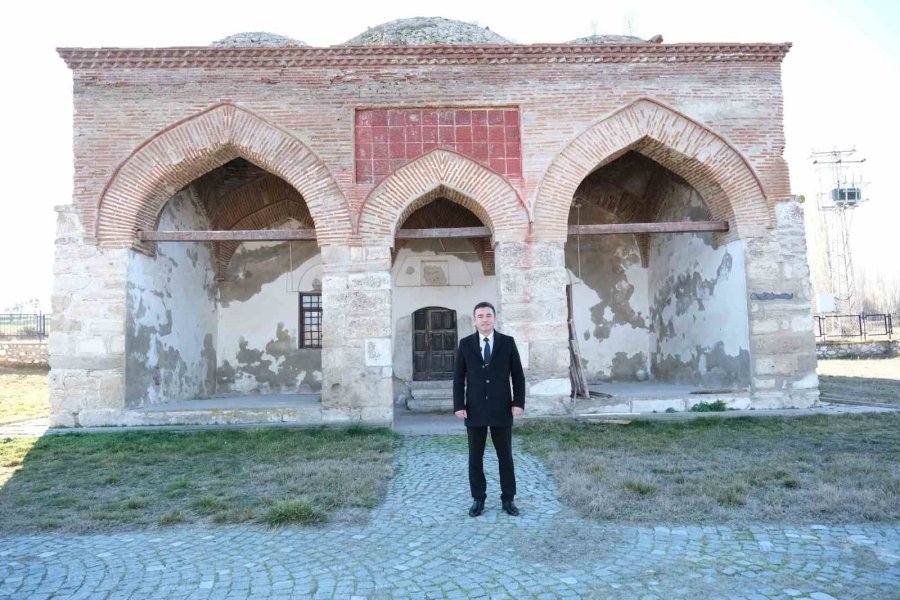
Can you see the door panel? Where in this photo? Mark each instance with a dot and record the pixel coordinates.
(434, 343)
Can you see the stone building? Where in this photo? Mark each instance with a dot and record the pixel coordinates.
(266, 231)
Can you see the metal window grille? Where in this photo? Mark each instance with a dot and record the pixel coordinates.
(310, 320)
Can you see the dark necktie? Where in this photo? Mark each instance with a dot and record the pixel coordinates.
(487, 351)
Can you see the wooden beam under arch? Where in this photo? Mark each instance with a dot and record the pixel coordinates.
(276, 235)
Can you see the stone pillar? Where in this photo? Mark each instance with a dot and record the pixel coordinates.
(356, 335)
(87, 339)
(782, 342)
(532, 291)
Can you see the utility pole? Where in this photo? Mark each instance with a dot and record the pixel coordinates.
(839, 193)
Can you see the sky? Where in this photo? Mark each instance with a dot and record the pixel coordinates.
(841, 86)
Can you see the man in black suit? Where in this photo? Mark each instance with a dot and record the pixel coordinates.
(486, 362)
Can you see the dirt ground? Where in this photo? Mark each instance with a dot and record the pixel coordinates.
(873, 379)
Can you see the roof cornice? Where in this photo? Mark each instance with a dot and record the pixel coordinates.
(364, 56)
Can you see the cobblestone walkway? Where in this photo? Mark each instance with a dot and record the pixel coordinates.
(421, 544)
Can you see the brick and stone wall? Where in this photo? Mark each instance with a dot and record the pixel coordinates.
(27, 353)
(151, 122)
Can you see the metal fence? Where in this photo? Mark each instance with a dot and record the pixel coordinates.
(24, 326)
(853, 326)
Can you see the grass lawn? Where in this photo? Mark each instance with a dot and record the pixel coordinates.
(104, 481)
(874, 379)
(23, 394)
(801, 470)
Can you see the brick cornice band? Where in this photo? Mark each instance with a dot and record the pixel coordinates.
(189, 57)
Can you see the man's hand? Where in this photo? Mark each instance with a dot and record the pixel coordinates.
(462, 414)
(518, 411)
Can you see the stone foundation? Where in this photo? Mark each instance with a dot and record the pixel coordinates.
(24, 353)
(861, 349)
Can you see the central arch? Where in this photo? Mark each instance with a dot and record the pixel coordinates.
(165, 163)
(722, 175)
(446, 174)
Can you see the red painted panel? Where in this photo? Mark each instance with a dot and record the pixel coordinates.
(388, 138)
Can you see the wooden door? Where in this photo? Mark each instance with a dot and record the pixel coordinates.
(434, 343)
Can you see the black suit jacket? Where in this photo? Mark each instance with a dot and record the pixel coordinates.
(483, 391)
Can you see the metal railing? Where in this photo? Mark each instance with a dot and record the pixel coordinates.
(853, 326)
(24, 326)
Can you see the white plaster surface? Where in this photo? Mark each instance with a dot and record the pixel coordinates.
(467, 286)
(699, 301)
(171, 314)
(256, 319)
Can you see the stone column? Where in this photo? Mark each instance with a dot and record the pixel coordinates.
(782, 342)
(356, 335)
(87, 338)
(532, 291)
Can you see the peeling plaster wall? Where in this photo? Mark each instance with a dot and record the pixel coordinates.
(170, 345)
(698, 308)
(453, 278)
(610, 304)
(259, 320)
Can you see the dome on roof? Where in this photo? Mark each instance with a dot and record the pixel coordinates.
(257, 39)
(609, 39)
(426, 31)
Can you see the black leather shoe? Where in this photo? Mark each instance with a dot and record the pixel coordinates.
(477, 508)
(509, 507)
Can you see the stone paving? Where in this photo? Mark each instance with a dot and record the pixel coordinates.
(421, 544)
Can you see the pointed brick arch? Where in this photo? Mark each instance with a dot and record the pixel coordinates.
(723, 177)
(443, 174)
(144, 182)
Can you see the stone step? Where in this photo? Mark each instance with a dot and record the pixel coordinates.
(442, 404)
(431, 393)
(443, 384)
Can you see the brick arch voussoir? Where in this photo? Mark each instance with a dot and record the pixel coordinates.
(142, 184)
(704, 158)
(442, 173)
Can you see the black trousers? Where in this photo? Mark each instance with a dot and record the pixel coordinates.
(502, 439)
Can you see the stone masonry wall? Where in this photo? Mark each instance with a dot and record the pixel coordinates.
(869, 349)
(782, 344)
(532, 284)
(17, 353)
(87, 342)
(356, 343)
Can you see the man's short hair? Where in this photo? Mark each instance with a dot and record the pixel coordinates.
(484, 305)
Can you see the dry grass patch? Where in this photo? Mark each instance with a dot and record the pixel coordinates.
(102, 481)
(23, 394)
(817, 469)
(872, 379)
